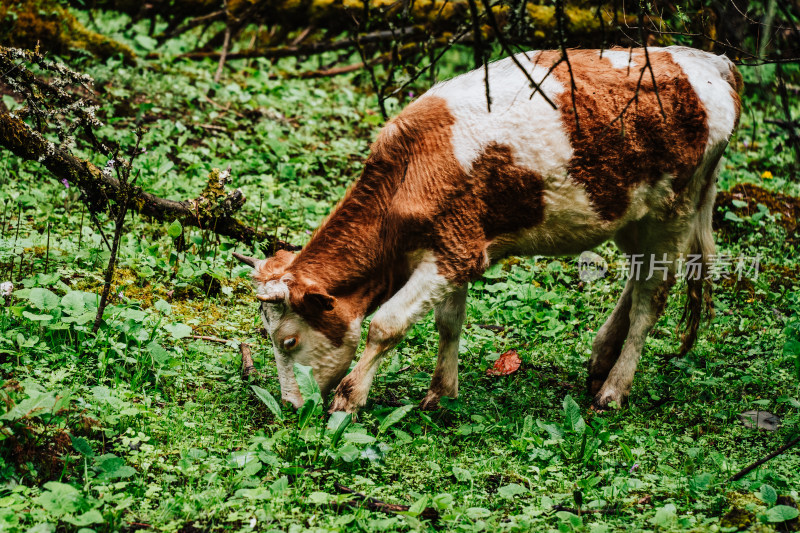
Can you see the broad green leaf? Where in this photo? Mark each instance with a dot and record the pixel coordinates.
(305, 412)
(178, 330)
(768, 494)
(320, 498)
(394, 417)
(665, 516)
(348, 453)
(72, 303)
(271, 403)
(443, 500)
(82, 446)
(160, 354)
(91, 516)
(163, 306)
(37, 318)
(175, 229)
(145, 41)
(511, 490)
(418, 506)
(33, 405)
(782, 513)
(572, 413)
(359, 438)
(60, 498)
(43, 299)
(337, 423)
(113, 467)
(308, 386)
(478, 512)
(462, 474)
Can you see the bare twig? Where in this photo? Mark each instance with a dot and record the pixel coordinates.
(743, 472)
(123, 201)
(565, 57)
(225, 44)
(507, 49)
(479, 52)
(248, 367)
(373, 504)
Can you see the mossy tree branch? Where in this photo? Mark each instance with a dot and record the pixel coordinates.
(212, 210)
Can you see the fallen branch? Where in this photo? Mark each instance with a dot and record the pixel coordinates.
(248, 367)
(360, 500)
(278, 52)
(743, 472)
(783, 123)
(213, 210)
(583, 511)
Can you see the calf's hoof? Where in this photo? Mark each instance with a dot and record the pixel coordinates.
(606, 399)
(344, 399)
(430, 402)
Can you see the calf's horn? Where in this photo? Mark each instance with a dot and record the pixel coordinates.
(246, 259)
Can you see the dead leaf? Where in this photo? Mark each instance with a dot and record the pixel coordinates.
(760, 419)
(646, 499)
(506, 364)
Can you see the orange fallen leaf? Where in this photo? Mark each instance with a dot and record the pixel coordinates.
(506, 364)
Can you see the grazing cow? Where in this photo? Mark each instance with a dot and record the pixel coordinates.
(625, 146)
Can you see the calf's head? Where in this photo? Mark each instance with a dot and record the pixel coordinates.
(306, 324)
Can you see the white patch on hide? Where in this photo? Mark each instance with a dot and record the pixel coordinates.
(708, 75)
(619, 58)
(530, 126)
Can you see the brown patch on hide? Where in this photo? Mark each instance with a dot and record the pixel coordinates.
(615, 151)
(414, 195)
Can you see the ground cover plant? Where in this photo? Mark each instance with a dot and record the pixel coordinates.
(147, 424)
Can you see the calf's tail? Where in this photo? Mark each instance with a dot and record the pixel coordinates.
(700, 249)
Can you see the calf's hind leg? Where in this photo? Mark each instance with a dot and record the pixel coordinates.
(609, 340)
(648, 298)
(449, 316)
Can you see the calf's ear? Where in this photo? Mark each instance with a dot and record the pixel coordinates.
(317, 298)
(311, 299)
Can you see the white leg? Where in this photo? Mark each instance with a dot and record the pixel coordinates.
(449, 319)
(424, 289)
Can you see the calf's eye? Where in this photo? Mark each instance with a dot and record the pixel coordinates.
(289, 343)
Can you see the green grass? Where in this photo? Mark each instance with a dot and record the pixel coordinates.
(142, 428)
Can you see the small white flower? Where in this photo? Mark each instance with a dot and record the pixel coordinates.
(6, 288)
(253, 522)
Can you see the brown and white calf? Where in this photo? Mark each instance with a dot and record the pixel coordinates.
(449, 188)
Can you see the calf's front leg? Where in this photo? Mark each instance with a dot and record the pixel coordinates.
(450, 315)
(424, 289)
